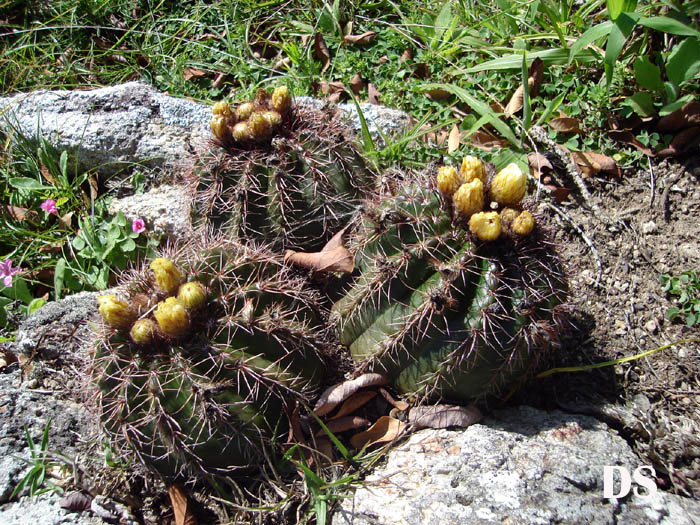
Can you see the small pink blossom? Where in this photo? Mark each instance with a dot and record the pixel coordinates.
(7, 271)
(138, 226)
(49, 206)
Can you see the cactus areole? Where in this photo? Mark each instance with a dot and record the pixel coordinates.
(202, 382)
(440, 312)
(284, 173)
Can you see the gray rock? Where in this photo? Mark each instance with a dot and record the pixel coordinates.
(44, 510)
(165, 210)
(520, 466)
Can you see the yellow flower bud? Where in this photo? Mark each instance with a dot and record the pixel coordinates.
(241, 132)
(143, 331)
(167, 276)
(447, 181)
(469, 198)
(222, 108)
(259, 127)
(472, 168)
(218, 127)
(244, 110)
(523, 223)
(508, 215)
(486, 225)
(509, 185)
(192, 295)
(273, 118)
(281, 100)
(115, 312)
(172, 317)
(262, 98)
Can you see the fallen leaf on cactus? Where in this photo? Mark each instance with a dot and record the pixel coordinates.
(181, 508)
(533, 85)
(336, 394)
(354, 402)
(333, 257)
(361, 40)
(321, 52)
(453, 140)
(384, 430)
(344, 424)
(444, 416)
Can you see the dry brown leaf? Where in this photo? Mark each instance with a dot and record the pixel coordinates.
(373, 94)
(685, 117)
(596, 162)
(65, 221)
(343, 424)
(46, 174)
(384, 430)
(17, 213)
(539, 164)
(219, 80)
(383, 60)
(443, 416)
(565, 125)
(333, 257)
(92, 181)
(438, 94)
(336, 394)
(361, 40)
(357, 84)
(193, 72)
(682, 142)
(406, 55)
(628, 138)
(558, 193)
(75, 502)
(453, 140)
(533, 82)
(321, 52)
(486, 141)
(442, 137)
(400, 405)
(354, 402)
(328, 88)
(181, 508)
(421, 71)
(55, 247)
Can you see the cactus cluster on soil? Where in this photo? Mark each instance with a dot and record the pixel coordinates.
(204, 355)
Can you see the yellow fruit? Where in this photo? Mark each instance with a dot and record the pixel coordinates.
(486, 225)
(273, 118)
(218, 127)
(222, 108)
(172, 317)
(447, 181)
(241, 132)
(509, 185)
(259, 126)
(469, 198)
(281, 100)
(142, 331)
(115, 312)
(508, 215)
(523, 223)
(244, 110)
(192, 295)
(168, 277)
(472, 168)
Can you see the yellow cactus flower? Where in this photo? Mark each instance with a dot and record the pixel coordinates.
(509, 185)
(472, 168)
(143, 331)
(167, 276)
(218, 127)
(222, 108)
(172, 317)
(259, 126)
(508, 215)
(523, 223)
(469, 198)
(243, 111)
(273, 118)
(192, 295)
(447, 181)
(115, 312)
(241, 132)
(486, 225)
(281, 100)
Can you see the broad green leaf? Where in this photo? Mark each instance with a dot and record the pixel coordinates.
(617, 7)
(668, 25)
(550, 57)
(642, 103)
(78, 243)
(128, 245)
(622, 28)
(35, 305)
(26, 183)
(671, 90)
(527, 110)
(18, 290)
(552, 106)
(444, 20)
(673, 106)
(683, 63)
(59, 276)
(64, 165)
(647, 74)
(590, 36)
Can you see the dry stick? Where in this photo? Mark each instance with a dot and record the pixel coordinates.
(653, 182)
(664, 197)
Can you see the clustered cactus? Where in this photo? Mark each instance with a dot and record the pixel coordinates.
(207, 349)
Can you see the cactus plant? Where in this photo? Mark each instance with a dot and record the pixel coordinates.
(203, 356)
(439, 312)
(288, 174)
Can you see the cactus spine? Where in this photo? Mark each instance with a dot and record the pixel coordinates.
(201, 383)
(440, 314)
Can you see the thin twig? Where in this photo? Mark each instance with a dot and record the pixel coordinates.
(653, 182)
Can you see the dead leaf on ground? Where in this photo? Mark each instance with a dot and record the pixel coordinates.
(593, 163)
(421, 71)
(344, 424)
(7, 358)
(75, 502)
(685, 117)
(219, 80)
(17, 213)
(400, 405)
(486, 141)
(361, 40)
(406, 55)
(681, 142)
(383, 60)
(333, 257)
(558, 193)
(357, 84)
(453, 140)
(443, 416)
(181, 507)
(321, 52)
(384, 430)
(539, 164)
(336, 394)
(628, 138)
(438, 94)
(46, 174)
(193, 72)
(565, 125)
(355, 401)
(534, 80)
(373, 94)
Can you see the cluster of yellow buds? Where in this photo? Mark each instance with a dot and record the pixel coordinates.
(466, 191)
(171, 317)
(252, 121)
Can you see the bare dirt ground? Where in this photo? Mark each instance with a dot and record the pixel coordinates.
(654, 401)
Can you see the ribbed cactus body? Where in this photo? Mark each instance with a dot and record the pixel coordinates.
(217, 397)
(295, 190)
(442, 314)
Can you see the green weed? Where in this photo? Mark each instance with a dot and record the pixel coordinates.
(685, 288)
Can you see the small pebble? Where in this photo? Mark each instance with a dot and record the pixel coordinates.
(651, 326)
(649, 227)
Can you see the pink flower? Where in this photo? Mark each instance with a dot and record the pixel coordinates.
(138, 226)
(49, 206)
(7, 271)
